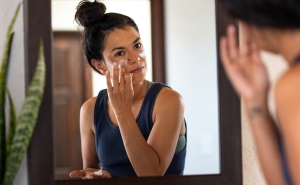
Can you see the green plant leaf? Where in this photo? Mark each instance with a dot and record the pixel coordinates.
(12, 125)
(3, 72)
(27, 119)
(3, 75)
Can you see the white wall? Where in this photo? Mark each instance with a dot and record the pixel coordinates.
(192, 71)
(16, 82)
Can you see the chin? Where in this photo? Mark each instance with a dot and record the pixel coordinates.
(138, 79)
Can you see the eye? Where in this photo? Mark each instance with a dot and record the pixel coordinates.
(138, 45)
(120, 53)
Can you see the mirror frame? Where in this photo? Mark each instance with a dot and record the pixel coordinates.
(40, 159)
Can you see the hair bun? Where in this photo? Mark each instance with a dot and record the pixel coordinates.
(88, 13)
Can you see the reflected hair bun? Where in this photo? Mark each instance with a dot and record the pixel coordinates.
(89, 13)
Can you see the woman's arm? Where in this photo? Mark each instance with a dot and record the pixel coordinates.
(266, 142)
(152, 157)
(287, 97)
(88, 147)
(248, 76)
(87, 134)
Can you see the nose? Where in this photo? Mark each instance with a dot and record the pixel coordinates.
(133, 57)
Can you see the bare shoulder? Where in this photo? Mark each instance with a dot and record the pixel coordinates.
(287, 100)
(88, 105)
(288, 86)
(167, 104)
(168, 97)
(87, 112)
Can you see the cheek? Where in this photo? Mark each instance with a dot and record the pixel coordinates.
(261, 40)
(143, 60)
(142, 54)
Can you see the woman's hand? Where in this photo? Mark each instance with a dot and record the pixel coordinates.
(244, 67)
(90, 173)
(121, 93)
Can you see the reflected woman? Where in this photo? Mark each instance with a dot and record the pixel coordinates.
(134, 127)
(272, 25)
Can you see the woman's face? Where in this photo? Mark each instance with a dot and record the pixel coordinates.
(126, 44)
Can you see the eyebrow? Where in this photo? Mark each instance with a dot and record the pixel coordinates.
(117, 48)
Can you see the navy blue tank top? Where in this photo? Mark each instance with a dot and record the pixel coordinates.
(109, 144)
(284, 163)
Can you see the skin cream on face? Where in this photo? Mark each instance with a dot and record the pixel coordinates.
(119, 63)
(142, 54)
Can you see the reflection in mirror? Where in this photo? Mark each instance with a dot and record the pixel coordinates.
(187, 41)
(72, 85)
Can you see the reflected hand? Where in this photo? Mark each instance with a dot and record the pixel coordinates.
(90, 173)
(244, 67)
(121, 93)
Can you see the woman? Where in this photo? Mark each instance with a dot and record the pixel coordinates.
(135, 127)
(272, 25)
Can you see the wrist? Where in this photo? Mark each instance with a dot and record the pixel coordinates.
(257, 101)
(257, 109)
(122, 112)
(256, 106)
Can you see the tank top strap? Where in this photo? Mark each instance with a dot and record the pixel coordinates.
(284, 162)
(100, 101)
(149, 101)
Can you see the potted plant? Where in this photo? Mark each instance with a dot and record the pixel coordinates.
(14, 146)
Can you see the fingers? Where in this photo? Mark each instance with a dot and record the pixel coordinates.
(90, 174)
(77, 173)
(121, 74)
(232, 41)
(108, 82)
(224, 52)
(103, 174)
(255, 54)
(245, 45)
(115, 76)
(128, 80)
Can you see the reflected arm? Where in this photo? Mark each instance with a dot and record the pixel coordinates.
(87, 133)
(152, 157)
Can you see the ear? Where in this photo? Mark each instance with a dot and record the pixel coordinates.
(99, 65)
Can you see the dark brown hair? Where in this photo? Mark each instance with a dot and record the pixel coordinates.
(97, 25)
(279, 14)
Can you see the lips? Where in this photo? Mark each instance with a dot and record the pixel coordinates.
(136, 70)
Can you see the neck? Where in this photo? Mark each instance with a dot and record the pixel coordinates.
(139, 90)
(289, 46)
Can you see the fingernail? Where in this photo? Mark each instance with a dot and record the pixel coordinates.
(115, 64)
(231, 28)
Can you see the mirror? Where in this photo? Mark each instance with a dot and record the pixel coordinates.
(69, 95)
(40, 152)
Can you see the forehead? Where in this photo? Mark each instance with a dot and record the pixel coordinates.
(120, 37)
